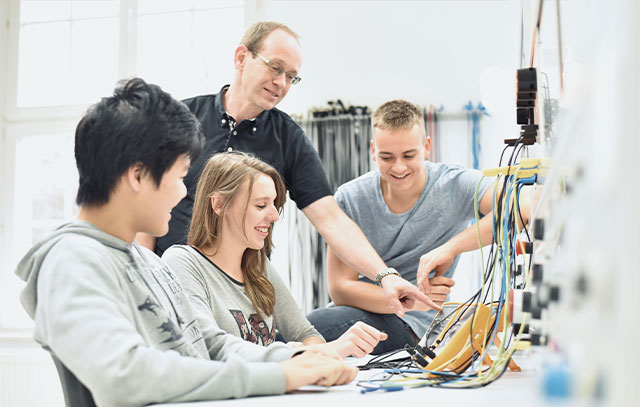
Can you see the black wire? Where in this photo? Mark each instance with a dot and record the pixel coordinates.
(501, 155)
(520, 147)
(380, 362)
(433, 326)
(497, 221)
(464, 306)
(489, 270)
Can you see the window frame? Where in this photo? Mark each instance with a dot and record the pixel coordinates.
(16, 122)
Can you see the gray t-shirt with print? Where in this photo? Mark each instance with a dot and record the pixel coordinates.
(217, 295)
(443, 210)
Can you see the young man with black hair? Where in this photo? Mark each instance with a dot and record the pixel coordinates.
(110, 310)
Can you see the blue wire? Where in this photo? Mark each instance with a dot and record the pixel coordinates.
(474, 115)
(528, 181)
(510, 183)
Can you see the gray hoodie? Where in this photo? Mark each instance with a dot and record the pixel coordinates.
(118, 318)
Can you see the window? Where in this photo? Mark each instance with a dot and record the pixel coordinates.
(64, 55)
(187, 46)
(44, 181)
(68, 51)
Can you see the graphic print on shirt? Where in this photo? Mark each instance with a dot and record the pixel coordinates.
(171, 328)
(149, 305)
(170, 280)
(256, 331)
(170, 321)
(260, 328)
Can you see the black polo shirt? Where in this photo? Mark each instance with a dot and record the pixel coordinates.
(272, 136)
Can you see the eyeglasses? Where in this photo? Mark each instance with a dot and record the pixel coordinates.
(277, 70)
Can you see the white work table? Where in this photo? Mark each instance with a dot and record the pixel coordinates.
(517, 388)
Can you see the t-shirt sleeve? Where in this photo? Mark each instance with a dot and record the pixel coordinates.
(343, 199)
(466, 182)
(485, 185)
(305, 175)
(290, 321)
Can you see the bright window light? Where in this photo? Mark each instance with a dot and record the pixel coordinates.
(68, 52)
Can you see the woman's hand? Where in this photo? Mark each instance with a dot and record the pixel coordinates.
(359, 340)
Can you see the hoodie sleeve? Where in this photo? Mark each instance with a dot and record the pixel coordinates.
(83, 316)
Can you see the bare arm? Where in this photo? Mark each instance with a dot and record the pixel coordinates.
(350, 245)
(441, 258)
(346, 289)
(146, 240)
(358, 341)
(344, 236)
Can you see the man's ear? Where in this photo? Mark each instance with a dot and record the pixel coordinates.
(240, 56)
(134, 176)
(373, 150)
(427, 147)
(217, 202)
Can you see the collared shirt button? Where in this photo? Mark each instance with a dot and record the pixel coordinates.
(223, 121)
(235, 133)
(255, 128)
(229, 149)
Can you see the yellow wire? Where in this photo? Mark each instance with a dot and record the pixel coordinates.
(503, 354)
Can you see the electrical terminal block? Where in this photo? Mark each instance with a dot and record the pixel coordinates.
(521, 304)
(523, 247)
(527, 168)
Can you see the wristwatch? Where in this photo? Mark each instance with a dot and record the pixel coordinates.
(385, 273)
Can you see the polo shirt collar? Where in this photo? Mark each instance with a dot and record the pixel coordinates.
(222, 113)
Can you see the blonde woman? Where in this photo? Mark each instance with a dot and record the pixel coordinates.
(225, 269)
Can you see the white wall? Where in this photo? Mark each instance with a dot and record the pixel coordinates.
(435, 52)
(428, 52)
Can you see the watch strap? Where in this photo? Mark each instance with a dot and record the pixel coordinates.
(385, 273)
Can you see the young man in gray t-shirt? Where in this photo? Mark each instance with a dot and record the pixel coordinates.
(416, 215)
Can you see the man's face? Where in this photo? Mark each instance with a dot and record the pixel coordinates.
(262, 88)
(400, 155)
(161, 199)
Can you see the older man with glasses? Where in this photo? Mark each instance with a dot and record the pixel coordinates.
(243, 117)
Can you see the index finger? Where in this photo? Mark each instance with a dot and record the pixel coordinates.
(422, 297)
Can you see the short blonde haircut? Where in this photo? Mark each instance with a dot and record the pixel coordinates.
(397, 114)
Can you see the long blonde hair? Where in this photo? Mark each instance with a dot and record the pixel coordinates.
(224, 175)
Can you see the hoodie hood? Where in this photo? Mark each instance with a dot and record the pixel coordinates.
(29, 267)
